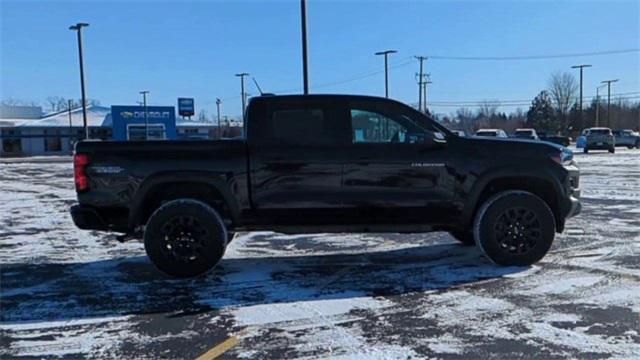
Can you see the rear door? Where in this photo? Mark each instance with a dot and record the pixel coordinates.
(296, 147)
(392, 176)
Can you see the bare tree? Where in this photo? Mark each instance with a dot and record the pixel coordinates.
(54, 102)
(563, 88)
(488, 108)
(17, 102)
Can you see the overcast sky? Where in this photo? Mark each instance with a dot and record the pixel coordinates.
(194, 48)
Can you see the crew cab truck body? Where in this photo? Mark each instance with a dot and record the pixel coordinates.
(326, 163)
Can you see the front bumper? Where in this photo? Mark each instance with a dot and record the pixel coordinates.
(576, 206)
(87, 218)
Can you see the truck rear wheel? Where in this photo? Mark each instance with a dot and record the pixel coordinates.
(185, 238)
(514, 228)
(465, 237)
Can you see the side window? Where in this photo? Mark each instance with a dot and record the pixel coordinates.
(305, 126)
(372, 127)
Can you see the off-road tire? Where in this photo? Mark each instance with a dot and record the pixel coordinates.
(465, 237)
(185, 238)
(526, 240)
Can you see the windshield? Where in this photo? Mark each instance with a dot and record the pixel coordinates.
(600, 132)
(524, 132)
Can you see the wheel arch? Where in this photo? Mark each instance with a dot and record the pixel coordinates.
(213, 189)
(541, 184)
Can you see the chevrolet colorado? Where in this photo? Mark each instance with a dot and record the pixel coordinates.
(326, 163)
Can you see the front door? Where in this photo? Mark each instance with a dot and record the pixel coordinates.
(392, 174)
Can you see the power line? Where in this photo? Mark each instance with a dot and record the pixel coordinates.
(501, 102)
(534, 57)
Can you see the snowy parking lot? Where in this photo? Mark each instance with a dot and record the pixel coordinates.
(74, 293)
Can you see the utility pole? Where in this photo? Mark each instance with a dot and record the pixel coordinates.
(305, 65)
(608, 82)
(386, 69)
(581, 67)
(242, 93)
(420, 77)
(69, 104)
(218, 102)
(78, 28)
(424, 91)
(146, 115)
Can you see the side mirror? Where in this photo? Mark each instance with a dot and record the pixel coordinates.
(434, 139)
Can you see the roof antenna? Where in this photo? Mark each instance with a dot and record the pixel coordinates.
(258, 86)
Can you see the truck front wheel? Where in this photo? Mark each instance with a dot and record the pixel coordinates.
(185, 238)
(514, 228)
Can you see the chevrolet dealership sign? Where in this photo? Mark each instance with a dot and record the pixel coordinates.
(130, 118)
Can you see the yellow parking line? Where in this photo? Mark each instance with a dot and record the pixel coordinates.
(221, 348)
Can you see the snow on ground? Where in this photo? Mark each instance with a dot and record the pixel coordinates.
(72, 293)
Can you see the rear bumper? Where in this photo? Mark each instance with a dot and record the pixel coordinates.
(87, 218)
(597, 145)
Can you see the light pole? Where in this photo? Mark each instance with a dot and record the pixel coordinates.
(78, 28)
(146, 116)
(305, 65)
(386, 69)
(242, 93)
(218, 102)
(598, 104)
(608, 82)
(580, 67)
(69, 104)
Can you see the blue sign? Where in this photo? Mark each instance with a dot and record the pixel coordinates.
(186, 107)
(129, 122)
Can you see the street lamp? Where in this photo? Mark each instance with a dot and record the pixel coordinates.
(242, 93)
(305, 65)
(386, 69)
(580, 67)
(78, 28)
(598, 104)
(218, 102)
(608, 82)
(146, 117)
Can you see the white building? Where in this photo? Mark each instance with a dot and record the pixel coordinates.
(53, 134)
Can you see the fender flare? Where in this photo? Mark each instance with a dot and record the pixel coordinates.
(493, 174)
(223, 182)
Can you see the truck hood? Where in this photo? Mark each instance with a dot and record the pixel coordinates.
(511, 145)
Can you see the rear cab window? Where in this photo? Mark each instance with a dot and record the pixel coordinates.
(296, 122)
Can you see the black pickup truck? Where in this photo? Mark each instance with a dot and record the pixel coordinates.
(326, 163)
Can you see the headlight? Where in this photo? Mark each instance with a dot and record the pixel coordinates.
(563, 157)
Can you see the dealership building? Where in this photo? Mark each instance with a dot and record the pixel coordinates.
(25, 131)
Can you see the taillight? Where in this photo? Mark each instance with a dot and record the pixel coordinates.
(80, 162)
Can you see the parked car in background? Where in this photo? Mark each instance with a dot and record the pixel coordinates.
(556, 139)
(526, 134)
(599, 139)
(628, 138)
(581, 141)
(459, 133)
(491, 133)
